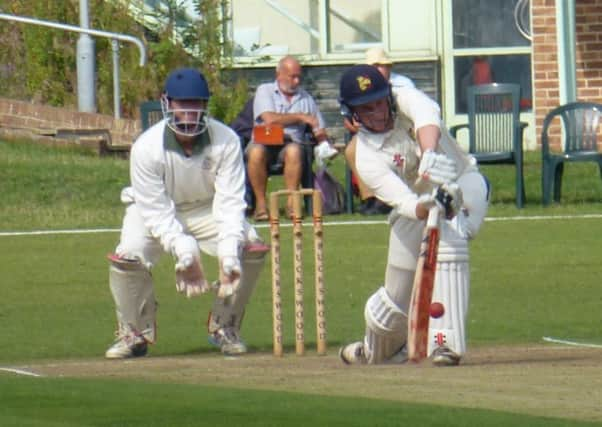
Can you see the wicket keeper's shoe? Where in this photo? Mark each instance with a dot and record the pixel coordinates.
(125, 347)
(443, 356)
(228, 340)
(353, 353)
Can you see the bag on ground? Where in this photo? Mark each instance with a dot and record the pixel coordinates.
(333, 193)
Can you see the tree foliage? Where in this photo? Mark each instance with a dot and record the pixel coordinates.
(38, 63)
(212, 50)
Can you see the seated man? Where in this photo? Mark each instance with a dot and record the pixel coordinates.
(377, 57)
(282, 102)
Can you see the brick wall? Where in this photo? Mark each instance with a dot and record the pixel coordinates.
(50, 122)
(589, 49)
(588, 53)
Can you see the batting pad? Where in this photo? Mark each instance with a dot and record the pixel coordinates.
(475, 193)
(386, 328)
(452, 288)
(228, 312)
(135, 305)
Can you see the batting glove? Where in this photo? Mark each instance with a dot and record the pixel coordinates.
(437, 168)
(449, 197)
(324, 152)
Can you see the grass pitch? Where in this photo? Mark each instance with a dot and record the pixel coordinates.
(530, 278)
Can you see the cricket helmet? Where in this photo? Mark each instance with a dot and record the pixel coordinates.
(185, 84)
(362, 84)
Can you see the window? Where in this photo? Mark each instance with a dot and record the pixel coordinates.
(325, 29)
(269, 27)
(489, 23)
(479, 69)
(491, 43)
(354, 24)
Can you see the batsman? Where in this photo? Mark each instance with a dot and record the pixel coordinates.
(186, 196)
(410, 162)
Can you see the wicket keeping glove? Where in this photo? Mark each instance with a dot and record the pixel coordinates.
(190, 279)
(231, 271)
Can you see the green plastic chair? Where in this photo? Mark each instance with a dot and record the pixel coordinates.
(150, 113)
(495, 132)
(580, 125)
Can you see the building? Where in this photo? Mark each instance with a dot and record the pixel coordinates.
(442, 45)
(550, 47)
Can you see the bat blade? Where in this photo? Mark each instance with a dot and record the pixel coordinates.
(422, 289)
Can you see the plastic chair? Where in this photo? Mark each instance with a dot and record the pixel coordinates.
(580, 125)
(150, 113)
(495, 129)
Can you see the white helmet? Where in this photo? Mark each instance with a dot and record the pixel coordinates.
(185, 84)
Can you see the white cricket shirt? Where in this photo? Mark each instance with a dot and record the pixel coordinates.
(388, 162)
(165, 180)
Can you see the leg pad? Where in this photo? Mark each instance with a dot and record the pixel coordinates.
(132, 289)
(386, 328)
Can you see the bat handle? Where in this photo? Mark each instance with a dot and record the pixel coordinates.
(433, 218)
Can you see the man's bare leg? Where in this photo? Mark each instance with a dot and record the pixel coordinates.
(258, 176)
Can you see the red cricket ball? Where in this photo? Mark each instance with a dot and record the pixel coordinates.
(437, 310)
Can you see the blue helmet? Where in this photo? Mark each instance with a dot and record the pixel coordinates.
(362, 84)
(185, 84)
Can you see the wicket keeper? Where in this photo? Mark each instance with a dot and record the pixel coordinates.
(186, 196)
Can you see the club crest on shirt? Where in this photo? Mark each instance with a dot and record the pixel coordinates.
(207, 163)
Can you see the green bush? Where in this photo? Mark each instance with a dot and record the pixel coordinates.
(44, 68)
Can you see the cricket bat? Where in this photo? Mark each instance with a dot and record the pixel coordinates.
(422, 289)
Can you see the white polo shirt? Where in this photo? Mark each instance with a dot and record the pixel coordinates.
(269, 98)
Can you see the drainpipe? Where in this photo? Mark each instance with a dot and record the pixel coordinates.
(86, 66)
(565, 34)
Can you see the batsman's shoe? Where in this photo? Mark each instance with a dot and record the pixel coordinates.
(126, 346)
(443, 356)
(400, 357)
(353, 353)
(228, 340)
